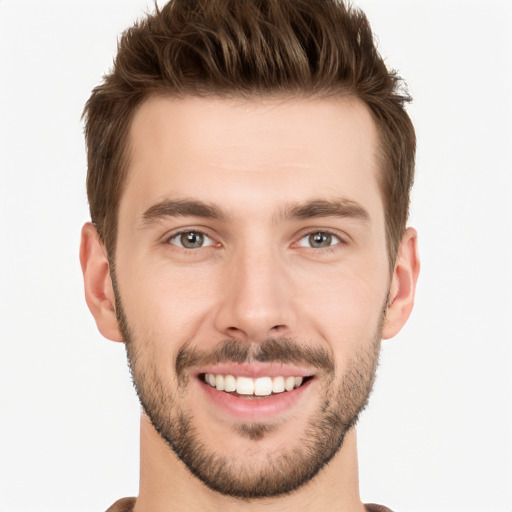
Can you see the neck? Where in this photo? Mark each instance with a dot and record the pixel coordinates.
(166, 483)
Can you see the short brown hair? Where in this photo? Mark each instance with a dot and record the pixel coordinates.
(246, 48)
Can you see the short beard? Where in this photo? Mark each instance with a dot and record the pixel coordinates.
(284, 470)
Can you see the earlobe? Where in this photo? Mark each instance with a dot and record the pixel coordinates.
(99, 293)
(403, 285)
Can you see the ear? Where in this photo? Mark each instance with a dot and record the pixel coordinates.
(99, 293)
(403, 284)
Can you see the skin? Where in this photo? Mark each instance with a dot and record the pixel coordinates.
(257, 277)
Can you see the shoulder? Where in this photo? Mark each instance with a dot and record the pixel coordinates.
(122, 505)
(372, 507)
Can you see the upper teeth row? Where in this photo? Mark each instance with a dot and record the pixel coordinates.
(262, 386)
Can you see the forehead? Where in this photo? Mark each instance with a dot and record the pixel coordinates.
(242, 153)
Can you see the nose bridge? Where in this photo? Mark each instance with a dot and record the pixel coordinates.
(256, 303)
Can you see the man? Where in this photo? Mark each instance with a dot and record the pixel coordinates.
(250, 164)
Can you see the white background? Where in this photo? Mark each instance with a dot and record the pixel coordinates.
(437, 434)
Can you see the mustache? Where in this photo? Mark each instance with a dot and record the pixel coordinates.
(272, 350)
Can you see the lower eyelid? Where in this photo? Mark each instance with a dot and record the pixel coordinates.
(176, 236)
(209, 241)
(336, 238)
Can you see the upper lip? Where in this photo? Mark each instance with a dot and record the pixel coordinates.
(255, 370)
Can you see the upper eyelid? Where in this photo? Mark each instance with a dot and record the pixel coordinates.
(179, 233)
(342, 236)
(189, 229)
(326, 231)
(167, 240)
(334, 232)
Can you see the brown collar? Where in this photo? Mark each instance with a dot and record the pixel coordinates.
(127, 505)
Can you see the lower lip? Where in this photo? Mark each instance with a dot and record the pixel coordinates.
(251, 409)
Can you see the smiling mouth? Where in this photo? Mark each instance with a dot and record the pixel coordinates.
(246, 387)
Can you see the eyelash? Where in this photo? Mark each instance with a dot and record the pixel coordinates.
(329, 248)
(187, 232)
(327, 232)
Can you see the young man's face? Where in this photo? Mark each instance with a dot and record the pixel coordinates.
(251, 253)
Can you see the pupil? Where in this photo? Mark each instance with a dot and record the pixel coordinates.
(320, 240)
(192, 240)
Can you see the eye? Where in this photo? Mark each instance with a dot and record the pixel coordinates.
(319, 240)
(191, 240)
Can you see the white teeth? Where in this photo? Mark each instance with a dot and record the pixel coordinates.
(219, 382)
(244, 386)
(262, 386)
(278, 385)
(289, 383)
(229, 383)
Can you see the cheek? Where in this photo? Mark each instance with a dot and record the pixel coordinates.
(166, 304)
(345, 308)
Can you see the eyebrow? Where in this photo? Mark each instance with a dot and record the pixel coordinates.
(341, 207)
(182, 208)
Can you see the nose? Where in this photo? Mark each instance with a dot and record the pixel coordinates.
(257, 297)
